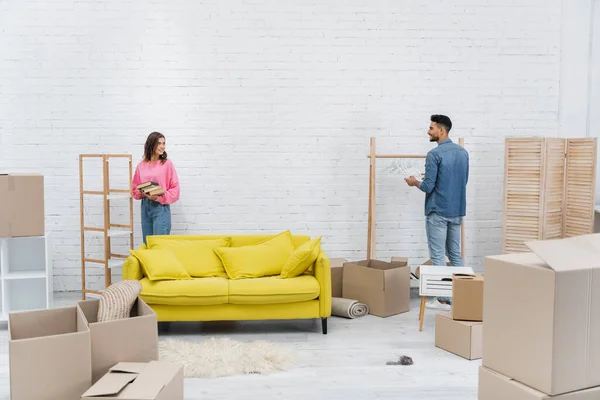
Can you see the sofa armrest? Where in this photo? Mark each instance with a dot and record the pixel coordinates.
(322, 271)
(132, 270)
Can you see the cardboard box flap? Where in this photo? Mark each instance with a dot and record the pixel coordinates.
(153, 380)
(111, 384)
(569, 254)
(134, 368)
(362, 277)
(467, 277)
(399, 260)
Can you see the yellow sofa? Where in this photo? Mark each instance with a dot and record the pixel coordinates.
(219, 298)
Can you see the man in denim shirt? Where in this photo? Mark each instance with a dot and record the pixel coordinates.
(445, 187)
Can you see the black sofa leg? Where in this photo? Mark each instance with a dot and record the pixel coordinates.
(324, 325)
(164, 327)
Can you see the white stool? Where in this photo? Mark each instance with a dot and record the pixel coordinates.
(436, 281)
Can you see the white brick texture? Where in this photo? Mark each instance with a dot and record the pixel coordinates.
(268, 107)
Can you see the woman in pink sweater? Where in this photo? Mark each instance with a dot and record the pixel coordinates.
(156, 210)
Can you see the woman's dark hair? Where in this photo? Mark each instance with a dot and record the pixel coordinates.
(150, 146)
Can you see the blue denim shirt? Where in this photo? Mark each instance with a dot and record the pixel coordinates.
(445, 182)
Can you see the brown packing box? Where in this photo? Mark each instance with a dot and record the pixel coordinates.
(494, 386)
(156, 380)
(467, 297)
(463, 338)
(133, 339)
(383, 286)
(22, 211)
(337, 271)
(49, 354)
(542, 314)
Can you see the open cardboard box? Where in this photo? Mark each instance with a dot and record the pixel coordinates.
(133, 339)
(49, 354)
(337, 271)
(156, 380)
(542, 314)
(383, 286)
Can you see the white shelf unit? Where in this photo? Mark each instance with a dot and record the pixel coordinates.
(25, 274)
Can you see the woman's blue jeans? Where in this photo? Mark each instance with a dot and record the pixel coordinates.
(156, 218)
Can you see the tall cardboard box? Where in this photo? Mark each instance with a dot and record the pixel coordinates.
(49, 354)
(134, 339)
(463, 338)
(337, 272)
(383, 286)
(495, 386)
(22, 210)
(542, 314)
(467, 297)
(156, 380)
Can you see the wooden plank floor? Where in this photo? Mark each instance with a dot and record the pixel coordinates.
(347, 363)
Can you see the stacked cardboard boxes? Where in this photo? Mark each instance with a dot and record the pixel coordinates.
(461, 331)
(541, 338)
(65, 353)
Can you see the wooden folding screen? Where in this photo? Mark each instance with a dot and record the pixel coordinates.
(549, 189)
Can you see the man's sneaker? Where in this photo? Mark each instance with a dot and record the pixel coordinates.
(436, 305)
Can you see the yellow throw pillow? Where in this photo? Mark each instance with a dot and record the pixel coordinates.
(197, 256)
(302, 258)
(160, 264)
(262, 259)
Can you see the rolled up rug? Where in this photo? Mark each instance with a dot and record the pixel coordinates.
(348, 308)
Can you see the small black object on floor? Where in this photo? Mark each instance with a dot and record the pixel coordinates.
(403, 360)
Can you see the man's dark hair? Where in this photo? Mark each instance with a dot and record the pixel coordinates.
(442, 120)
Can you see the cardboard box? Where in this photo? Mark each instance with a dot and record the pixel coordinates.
(49, 354)
(542, 314)
(337, 272)
(463, 338)
(22, 211)
(133, 339)
(134, 381)
(383, 286)
(467, 297)
(495, 386)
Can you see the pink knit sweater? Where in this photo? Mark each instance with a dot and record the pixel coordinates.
(164, 174)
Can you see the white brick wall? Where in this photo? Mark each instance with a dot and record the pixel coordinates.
(268, 107)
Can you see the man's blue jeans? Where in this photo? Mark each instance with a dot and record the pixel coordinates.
(156, 218)
(443, 238)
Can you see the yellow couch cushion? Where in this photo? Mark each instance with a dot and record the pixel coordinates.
(197, 256)
(249, 240)
(236, 240)
(254, 261)
(301, 259)
(272, 290)
(160, 264)
(188, 292)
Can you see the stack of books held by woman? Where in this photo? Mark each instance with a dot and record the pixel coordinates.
(151, 188)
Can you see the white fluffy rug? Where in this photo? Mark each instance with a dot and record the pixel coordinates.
(218, 357)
